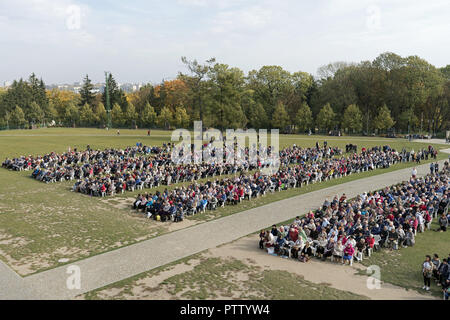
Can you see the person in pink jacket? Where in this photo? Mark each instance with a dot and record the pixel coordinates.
(348, 252)
(414, 223)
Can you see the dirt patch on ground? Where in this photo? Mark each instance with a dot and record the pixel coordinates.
(33, 262)
(6, 239)
(119, 203)
(25, 266)
(336, 275)
(240, 270)
(208, 277)
(149, 287)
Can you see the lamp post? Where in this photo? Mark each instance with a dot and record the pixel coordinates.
(108, 105)
(432, 129)
(408, 129)
(421, 123)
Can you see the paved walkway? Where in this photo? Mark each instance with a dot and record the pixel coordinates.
(12, 286)
(113, 266)
(435, 141)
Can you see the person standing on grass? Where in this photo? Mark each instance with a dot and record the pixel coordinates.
(427, 272)
(443, 273)
(443, 223)
(428, 220)
(436, 264)
(447, 290)
(262, 236)
(414, 172)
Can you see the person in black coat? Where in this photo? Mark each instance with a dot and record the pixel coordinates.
(443, 272)
(306, 253)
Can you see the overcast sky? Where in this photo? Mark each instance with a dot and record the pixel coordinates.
(141, 41)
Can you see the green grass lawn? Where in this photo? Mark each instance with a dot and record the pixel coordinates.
(403, 267)
(42, 223)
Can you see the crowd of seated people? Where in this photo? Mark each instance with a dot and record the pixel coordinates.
(199, 197)
(300, 172)
(54, 163)
(148, 175)
(345, 230)
(111, 171)
(150, 163)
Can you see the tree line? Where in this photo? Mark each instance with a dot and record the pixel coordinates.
(405, 94)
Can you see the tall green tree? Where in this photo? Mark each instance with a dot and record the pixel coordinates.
(72, 115)
(130, 115)
(100, 114)
(326, 117)
(5, 121)
(446, 71)
(256, 115)
(181, 118)
(116, 95)
(165, 119)
(35, 113)
(86, 94)
(271, 85)
(50, 113)
(87, 116)
(226, 93)
(352, 119)
(304, 118)
(17, 117)
(280, 118)
(197, 83)
(407, 120)
(384, 121)
(148, 117)
(117, 115)
(38, 92)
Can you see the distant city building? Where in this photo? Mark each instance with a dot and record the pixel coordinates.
(97, 87)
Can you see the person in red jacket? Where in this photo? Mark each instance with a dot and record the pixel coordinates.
(241, 192)
(293, 234)
(427, 220)
(348, 252)
(414, 223)
(370, 242)
(235, 198)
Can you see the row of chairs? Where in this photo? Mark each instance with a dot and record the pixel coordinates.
(358, 255)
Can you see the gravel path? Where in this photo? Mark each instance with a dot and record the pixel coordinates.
(113, 266)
